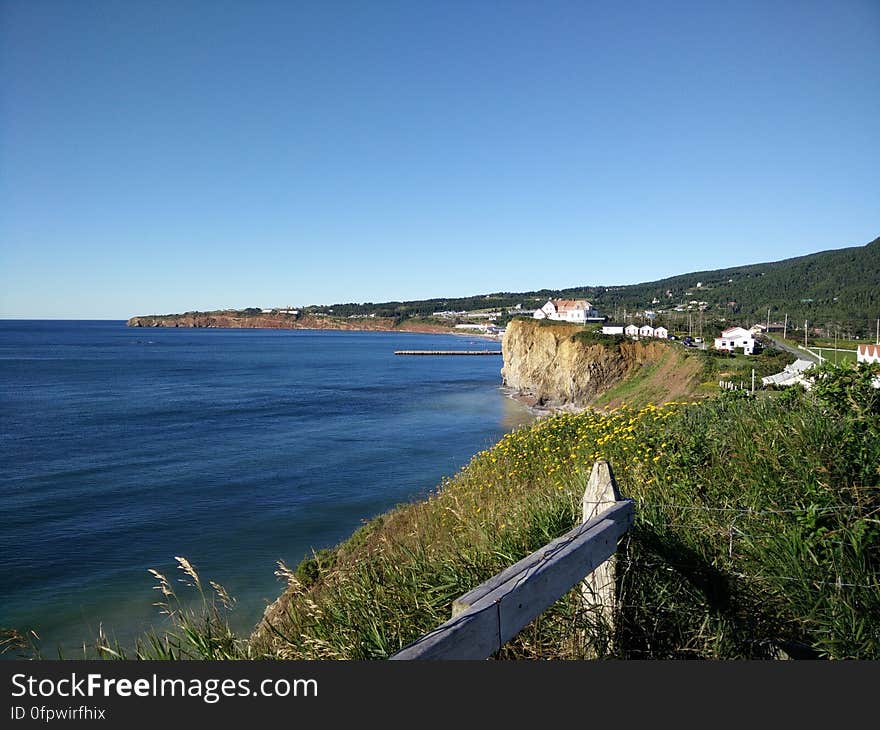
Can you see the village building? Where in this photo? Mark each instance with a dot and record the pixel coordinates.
(759, 329)
(735, 338)
(791, 375)
(661, 332)
(646, 330)
(476, 327)
(868, 353)
(579, 311)
(631, 330)
(612, 329)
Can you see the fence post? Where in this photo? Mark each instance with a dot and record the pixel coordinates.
(598, 588)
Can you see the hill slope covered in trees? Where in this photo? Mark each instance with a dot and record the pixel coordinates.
(830, 288)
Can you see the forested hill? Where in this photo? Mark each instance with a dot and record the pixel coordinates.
(841, 286)
(837, 287)
(831, 290)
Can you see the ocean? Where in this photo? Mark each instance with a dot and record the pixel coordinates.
(121, 448)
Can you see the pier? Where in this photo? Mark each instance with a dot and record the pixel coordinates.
(447, 352)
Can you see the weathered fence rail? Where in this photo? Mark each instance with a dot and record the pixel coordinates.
(487, 617)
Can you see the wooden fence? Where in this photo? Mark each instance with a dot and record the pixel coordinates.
(486, 618)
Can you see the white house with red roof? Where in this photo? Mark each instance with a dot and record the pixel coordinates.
(868, 353)
(567, 310)
(735, 338)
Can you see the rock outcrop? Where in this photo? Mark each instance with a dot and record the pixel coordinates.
(557, 364)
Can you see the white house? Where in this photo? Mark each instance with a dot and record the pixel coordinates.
(868, 353)
(477, 327)
(791, 375)
(734, 338)
(548, 311)
(646, 330)
(661, 332)
(567, 310)
(612, 329)
(631, 330)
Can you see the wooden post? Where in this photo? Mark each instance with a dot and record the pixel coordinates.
(487, 617)
(598, 588)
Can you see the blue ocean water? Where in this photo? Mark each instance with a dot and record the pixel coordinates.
(121, 448)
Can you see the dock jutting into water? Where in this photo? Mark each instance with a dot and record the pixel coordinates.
(447, 352)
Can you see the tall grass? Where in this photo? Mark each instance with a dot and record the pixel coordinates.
(192, 629)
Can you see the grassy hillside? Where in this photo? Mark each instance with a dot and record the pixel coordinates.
(756, 534)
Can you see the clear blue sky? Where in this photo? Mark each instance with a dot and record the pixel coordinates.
(172, 155)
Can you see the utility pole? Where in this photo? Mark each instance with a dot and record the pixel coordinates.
(785, 327)
(805, 333)
(753, 381)
(878, 331)
(768, 319)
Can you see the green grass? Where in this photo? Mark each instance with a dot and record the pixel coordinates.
(836, 356)
(637, 389)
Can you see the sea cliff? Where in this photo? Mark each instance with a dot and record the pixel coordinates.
(559, 365)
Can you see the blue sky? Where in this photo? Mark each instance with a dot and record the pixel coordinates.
(166, 156)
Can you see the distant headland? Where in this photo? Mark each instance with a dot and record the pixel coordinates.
(250, 319)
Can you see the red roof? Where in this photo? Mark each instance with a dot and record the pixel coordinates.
(869, 351)
(568, 304)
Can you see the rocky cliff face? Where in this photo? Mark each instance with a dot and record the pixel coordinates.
(550, 366)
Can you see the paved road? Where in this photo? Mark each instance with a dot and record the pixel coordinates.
(801, 354)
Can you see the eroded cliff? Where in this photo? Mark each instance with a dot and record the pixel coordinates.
(558, 364)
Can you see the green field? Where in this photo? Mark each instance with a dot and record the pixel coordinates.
(835, 356)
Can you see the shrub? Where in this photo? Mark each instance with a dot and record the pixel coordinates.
(848, 388)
